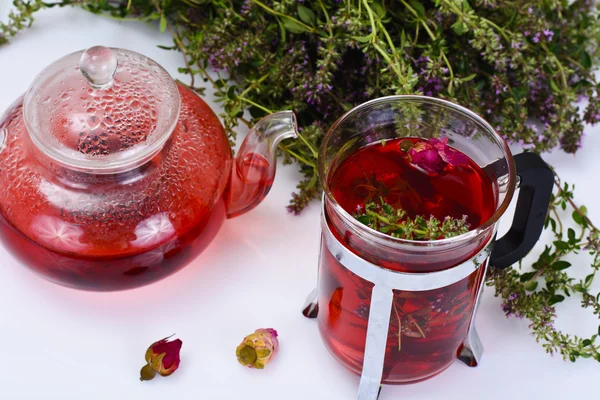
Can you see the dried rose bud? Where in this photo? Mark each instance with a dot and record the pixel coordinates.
(161, 357)
(425, 155)
(258, 349)
(447, 153)
(433, 155)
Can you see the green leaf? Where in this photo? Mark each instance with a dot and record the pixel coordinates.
(402, 39)
(418, 8)
(293, 26)
(460, 28)
(583, 210)
(530, 286)
(166, 47)
(306, 15)
(236, 110)
(469, 78)
(557, 298)
(282, 30)
(526, 276)
(364, 219)
(577, 218)
(554, 87)
(585, 60)
(578, 288)
(598, 330)
(387, 209)
(466, 6)
(560, 265)
(513, 18)
(219, 83)
(571, 236)
(163, 23)
(362, 39)
(379, 9)
(231, 95)
(588, 280)
(586, 342)
(560, 245)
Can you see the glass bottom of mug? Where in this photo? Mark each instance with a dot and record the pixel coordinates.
(401, 373)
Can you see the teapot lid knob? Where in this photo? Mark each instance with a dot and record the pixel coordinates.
(98, 64)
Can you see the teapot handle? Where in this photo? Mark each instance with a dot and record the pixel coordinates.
(253, 169)
(537, 181)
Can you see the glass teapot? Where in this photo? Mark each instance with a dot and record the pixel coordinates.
(114, 176)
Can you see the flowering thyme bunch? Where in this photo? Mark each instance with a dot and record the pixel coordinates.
(524, 296)
(510, 61)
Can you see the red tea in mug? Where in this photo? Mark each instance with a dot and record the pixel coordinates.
(427, 328)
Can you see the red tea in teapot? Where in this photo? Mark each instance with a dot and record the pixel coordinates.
(427, 328)
(78, 235)
(159, 217)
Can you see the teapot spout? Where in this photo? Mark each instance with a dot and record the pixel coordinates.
(253, 169)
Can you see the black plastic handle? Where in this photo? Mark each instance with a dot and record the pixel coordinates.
(537, 180)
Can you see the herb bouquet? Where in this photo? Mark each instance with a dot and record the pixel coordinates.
(524, 65)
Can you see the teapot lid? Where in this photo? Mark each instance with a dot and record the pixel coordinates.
(102, 110)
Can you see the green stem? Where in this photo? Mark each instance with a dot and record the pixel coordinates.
(493, 24)
(543, 269)
(254, 84)
(244, 99)
(379, 217)
(575, 207)
(371, 19)
(282, 15)
(314, 152)
(391, 63)
(313, 179)
(449, 66)
(560, 225)
(327, 18)
(416, 35)
(387, 36)
(298, 157)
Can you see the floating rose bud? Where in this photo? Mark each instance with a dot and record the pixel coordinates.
(433, 155)
(448, 154)
(161, 357)
(258, 349)
(425, 155)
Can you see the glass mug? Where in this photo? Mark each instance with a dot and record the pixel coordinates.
(401, 311)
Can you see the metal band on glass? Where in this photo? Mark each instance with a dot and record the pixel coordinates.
(385, 281)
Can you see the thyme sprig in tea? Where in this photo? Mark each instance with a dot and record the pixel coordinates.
(395, 222)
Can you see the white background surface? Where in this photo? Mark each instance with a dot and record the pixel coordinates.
(58, 343)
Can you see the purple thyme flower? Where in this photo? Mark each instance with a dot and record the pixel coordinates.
(549, 34)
